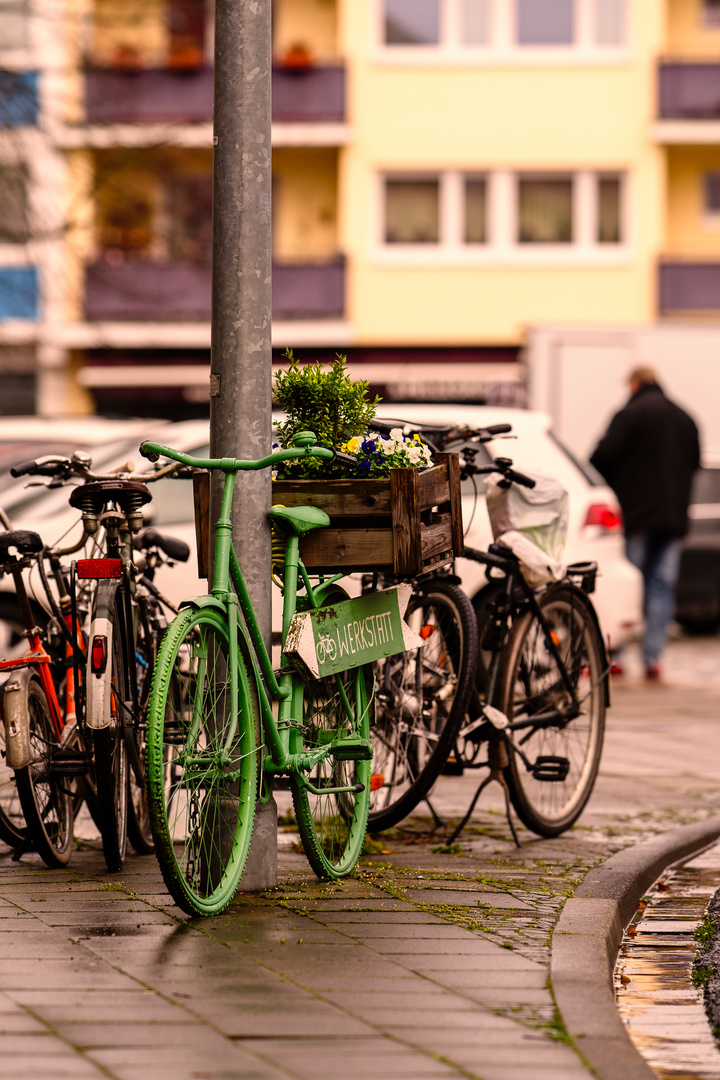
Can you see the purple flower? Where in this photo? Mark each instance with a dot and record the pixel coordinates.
(368, 446)
(364, 468)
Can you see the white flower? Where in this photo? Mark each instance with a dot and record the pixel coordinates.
(396, 435)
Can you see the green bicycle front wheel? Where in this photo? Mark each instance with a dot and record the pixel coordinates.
(332, 801)
(201, 775)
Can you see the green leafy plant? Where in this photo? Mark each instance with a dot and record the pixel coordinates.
(325, 401)
(706, 930)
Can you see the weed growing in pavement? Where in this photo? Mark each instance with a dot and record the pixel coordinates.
(706, 930)
(701, 976)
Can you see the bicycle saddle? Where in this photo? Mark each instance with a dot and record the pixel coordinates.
(173, 548)
(24, 543)
(299, 519)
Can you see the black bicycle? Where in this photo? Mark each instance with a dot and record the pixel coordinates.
(535, 712)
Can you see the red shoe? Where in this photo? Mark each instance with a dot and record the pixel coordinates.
(652, 673)
(616, 668)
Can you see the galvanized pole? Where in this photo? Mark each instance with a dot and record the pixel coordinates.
(241, 365)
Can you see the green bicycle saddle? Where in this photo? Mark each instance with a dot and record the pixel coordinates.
(299, 519)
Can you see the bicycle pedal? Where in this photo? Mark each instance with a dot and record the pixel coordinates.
(453, 767)
(552, 770)
(67, 762)
(352, 750)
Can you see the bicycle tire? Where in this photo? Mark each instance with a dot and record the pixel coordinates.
(201, 820)
(13, 830)
(110, 753)
(138, 825)
(422, 698)
(46, 799)
(530, 682)
(333, 827)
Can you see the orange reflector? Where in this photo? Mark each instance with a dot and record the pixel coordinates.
(377, 780)
(426, 631)
(556, 639)
(99, 568)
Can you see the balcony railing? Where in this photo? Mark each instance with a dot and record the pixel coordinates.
(166, 96)
(689, 286)
(689, 90)
(175, 291)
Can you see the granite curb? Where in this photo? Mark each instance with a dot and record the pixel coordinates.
(587, 937)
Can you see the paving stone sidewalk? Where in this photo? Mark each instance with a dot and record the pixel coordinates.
(428, 963)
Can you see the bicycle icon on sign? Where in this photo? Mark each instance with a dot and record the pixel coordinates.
(326, 649)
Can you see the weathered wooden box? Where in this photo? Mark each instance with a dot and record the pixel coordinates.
(402, 525)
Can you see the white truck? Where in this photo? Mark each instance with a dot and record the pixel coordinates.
(578, 374)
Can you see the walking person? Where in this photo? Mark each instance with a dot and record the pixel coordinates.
(648, 456)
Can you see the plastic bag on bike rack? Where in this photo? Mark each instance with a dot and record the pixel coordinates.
(533, 523)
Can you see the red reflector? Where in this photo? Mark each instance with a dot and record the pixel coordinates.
(426, 631)
(377, 780)
(98, 654)
(607, 517)
(99, 568)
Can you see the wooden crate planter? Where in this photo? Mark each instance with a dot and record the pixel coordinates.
(402, 525)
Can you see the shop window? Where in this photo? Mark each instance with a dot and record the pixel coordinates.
(475, 210)
(545, 22)
(412, 22)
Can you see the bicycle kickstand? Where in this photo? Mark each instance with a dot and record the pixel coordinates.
(497, 761)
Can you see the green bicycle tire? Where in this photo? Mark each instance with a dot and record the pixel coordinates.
(333, 828)
(201, 823)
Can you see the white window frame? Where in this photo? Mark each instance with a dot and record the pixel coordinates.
(502, 247)
(502, 46)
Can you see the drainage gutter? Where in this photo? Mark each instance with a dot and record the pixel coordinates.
(587, 937)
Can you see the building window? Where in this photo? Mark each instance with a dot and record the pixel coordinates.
(412, 211)
(13, 24)
(475, 210)
(609, 22)
(711, 13)
(475, 16)
(18, 99)
(412, 22)
(186, 29)
(609, 216)
(190, 219)
(712, 194)
(501, 214)
(545, 210)
(13, 205)
(545, 22)
(503, 26)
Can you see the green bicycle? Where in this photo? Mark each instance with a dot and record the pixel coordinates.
(212, 672)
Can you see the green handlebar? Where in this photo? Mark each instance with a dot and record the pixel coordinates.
(152, 451)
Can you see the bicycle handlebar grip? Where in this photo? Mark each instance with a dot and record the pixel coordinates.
(498, 429)
(147, 452)
(345, 459)
(520, 478)
(23, 468)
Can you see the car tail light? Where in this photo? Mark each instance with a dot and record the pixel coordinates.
(604, 517)
(99, 568)
(98, 654)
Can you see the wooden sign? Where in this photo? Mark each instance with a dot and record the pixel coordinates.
(342, 636)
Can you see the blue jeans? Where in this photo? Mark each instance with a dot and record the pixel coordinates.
(659, 562)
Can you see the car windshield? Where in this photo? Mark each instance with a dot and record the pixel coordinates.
(588, 471)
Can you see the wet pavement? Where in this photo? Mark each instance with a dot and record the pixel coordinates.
(427, 963)
(658, 1001)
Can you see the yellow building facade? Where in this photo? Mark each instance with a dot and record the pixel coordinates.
(446, 174)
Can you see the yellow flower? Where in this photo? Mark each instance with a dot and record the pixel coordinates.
(352, 445)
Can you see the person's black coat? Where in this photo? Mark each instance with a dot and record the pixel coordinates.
(648, 457)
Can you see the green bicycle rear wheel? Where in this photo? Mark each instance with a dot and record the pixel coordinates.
(201, 781)
(333, 825)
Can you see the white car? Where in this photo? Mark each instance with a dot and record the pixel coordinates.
(595, 522)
